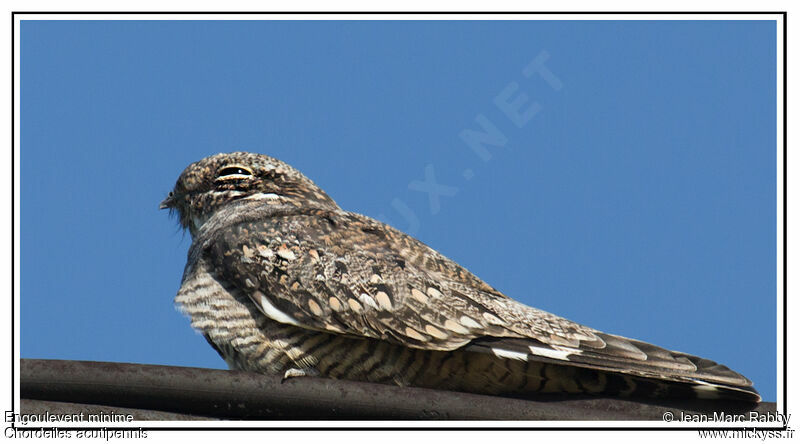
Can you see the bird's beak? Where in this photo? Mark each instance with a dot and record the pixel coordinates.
(166, 203)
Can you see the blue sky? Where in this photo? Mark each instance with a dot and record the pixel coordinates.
(636, 196)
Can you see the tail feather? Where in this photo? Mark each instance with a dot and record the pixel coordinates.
(624, 367)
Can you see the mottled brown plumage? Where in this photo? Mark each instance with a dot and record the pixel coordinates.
(281, 280)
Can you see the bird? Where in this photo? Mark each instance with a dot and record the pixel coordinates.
(281, 281)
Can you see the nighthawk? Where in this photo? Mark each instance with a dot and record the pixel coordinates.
(280, 280)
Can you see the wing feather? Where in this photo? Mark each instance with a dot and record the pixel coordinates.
(345, 273)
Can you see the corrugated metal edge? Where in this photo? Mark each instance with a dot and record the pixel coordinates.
(203, 393)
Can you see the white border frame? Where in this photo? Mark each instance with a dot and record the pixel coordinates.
(150, 425)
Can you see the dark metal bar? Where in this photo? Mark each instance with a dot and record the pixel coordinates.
(241, 395)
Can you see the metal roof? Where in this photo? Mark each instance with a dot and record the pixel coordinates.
(156, 392)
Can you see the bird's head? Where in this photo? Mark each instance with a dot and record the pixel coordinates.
(216, 181)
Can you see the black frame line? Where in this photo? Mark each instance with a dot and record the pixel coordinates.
(400, 12)
(414, 428)
(784, 14)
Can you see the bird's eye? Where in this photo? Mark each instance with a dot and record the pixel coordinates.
(234, 170)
